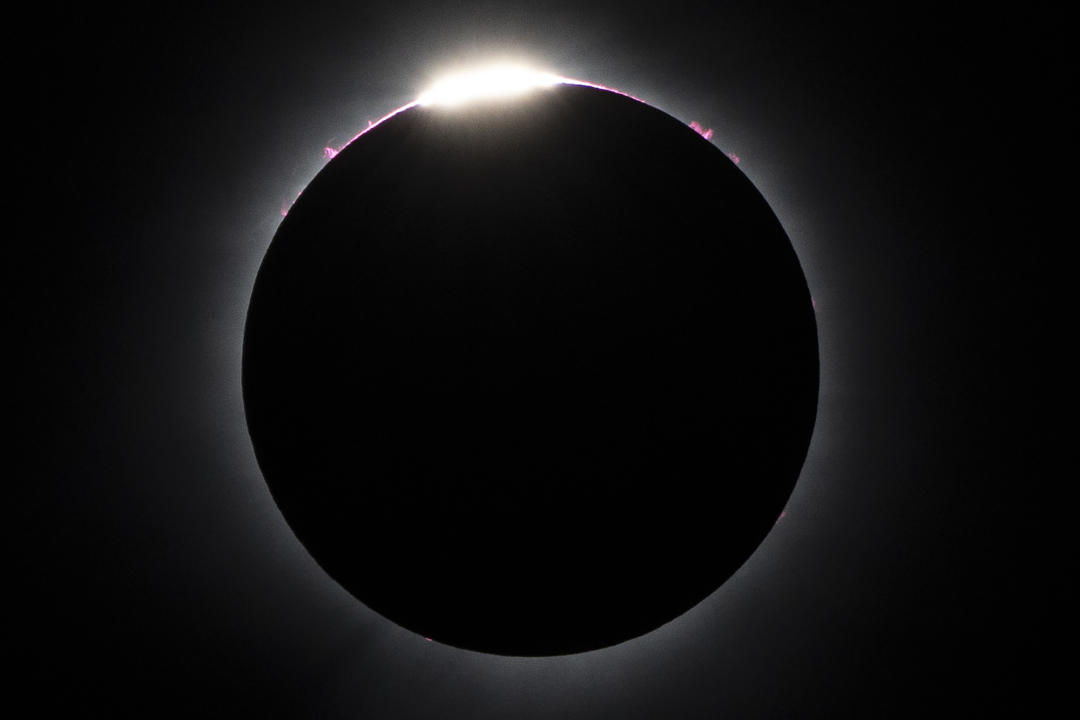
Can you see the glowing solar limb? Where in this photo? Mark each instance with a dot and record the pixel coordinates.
(488, 83)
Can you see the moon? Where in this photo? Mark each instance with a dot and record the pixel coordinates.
(530, 375)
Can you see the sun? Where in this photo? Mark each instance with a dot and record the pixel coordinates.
(487, 83)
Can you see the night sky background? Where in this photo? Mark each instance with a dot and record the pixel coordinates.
(912, 157)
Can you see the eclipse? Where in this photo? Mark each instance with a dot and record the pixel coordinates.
(530, 371)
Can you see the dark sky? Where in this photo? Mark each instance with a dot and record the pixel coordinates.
(911, 157)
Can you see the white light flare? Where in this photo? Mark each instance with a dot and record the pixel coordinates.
(490, 83)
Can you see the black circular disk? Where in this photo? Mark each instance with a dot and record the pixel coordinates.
(531, 377)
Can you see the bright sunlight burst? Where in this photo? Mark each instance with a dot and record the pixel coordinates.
(499, 81)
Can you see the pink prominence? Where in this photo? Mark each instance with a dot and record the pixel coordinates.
(702, 131)
(707, 133)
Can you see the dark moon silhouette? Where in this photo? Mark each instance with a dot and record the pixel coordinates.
(531, 377)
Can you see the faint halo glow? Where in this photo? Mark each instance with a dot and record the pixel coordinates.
(487, 83)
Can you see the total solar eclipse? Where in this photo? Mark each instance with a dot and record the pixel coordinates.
(530, 375)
